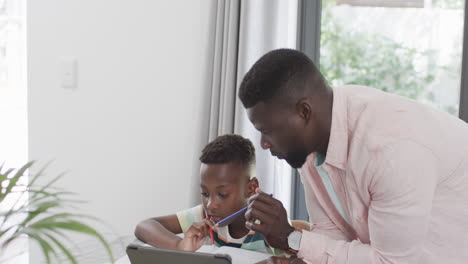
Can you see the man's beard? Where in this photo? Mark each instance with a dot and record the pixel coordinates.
(296, 159)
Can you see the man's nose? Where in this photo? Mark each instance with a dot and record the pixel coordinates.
(264, 143)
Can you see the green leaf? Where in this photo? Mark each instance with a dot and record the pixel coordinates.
(42, 207)
(72, 225)
(63, 249)
(42, 219)
(12, 181)
(4, 175)
(46, 248)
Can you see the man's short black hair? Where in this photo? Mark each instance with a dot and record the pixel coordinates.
(229, 148)
(279, 72)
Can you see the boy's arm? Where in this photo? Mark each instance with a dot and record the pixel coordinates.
(160, 231)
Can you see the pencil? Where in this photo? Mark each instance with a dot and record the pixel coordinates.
(211, 231)
(234, 215)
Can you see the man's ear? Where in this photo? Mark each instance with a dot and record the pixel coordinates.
(304, 109)
(251, 186)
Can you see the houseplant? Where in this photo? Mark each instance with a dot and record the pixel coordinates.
(44, 217)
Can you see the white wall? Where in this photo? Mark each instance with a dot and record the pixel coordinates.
(129, 135)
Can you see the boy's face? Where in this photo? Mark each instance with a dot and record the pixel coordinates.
(225, 188)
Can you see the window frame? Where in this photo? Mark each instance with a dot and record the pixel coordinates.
(383, 3)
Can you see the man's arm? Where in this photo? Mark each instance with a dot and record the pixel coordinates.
(402, 188)
(160, 231)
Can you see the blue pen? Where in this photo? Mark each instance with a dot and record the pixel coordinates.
(234, 215)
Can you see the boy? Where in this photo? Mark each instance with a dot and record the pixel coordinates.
(227, 181)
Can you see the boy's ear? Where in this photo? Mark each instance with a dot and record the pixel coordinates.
(251, 186)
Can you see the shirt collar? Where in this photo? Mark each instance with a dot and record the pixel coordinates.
(337, 151)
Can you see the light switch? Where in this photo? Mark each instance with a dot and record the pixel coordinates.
(68, 73)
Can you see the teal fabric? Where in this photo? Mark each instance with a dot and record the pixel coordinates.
(319, 160)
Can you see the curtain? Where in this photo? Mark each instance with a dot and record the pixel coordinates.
(243, 32)
(265, 25)
(224, 68)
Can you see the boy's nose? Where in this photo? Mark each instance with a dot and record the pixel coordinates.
(211, 204)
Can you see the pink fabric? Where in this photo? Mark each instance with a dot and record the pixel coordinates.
(400, 170)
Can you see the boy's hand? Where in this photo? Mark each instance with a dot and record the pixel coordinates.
(274, 225)
(194, 237)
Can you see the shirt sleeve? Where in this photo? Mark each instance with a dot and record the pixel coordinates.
(402, 185)
(189, 216)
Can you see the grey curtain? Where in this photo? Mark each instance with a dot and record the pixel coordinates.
(244, 31)
(224, 68)
(265, 25)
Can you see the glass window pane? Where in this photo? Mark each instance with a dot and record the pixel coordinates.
(13, 114)
(408, 47)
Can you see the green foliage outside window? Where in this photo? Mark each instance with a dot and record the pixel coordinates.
(449, 4)
(350, 57)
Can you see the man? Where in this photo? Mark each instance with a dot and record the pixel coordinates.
(386, 179)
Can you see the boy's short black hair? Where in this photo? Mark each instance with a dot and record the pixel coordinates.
(229, 148)
(277, 73)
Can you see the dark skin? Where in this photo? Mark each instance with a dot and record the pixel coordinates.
(224, 190)
(291, 128)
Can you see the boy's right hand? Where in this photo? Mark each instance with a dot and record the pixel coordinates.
(195, 236)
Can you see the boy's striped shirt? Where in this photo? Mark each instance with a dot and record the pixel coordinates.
(252, 241)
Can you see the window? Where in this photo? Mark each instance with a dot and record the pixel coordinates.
(13, 136)
(13, 108)
(383, 3)
(413, 52)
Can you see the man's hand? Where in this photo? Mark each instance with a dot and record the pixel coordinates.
(195, 236)
(273, 224)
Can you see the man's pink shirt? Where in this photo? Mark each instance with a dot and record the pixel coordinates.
(400, 169)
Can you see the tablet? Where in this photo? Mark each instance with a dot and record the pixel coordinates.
(140, 254)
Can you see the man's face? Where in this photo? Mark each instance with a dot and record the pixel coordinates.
(224, 189)
(282, 131)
